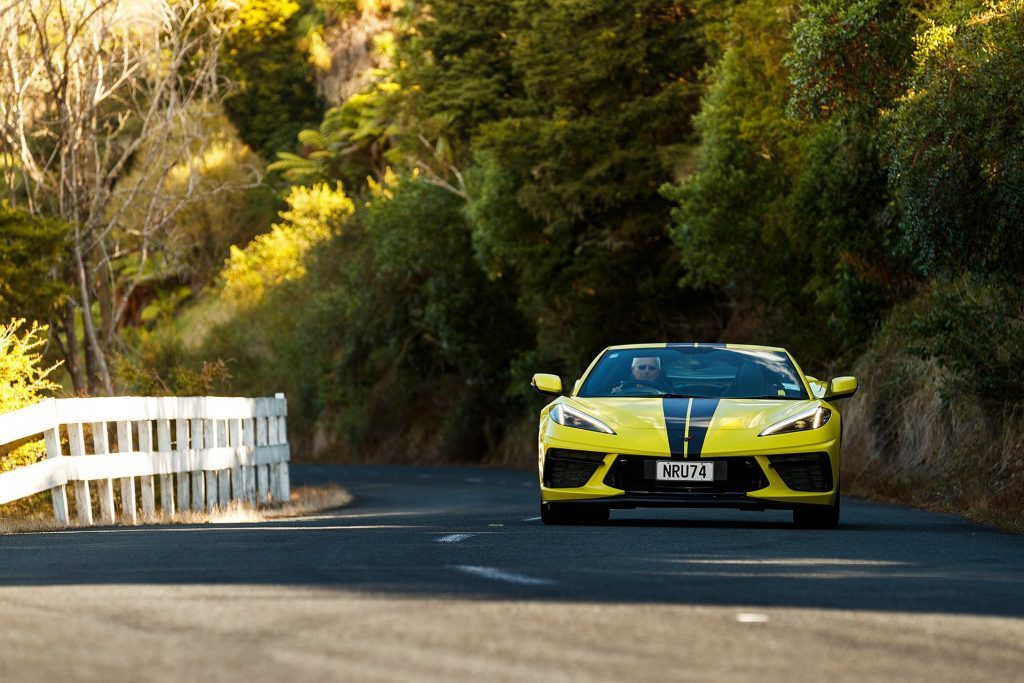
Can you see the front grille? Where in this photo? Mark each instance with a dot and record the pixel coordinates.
(635, 474)
(565, 469)
(804, 471)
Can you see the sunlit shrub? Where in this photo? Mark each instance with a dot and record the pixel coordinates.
(313, 215)
(24, 379)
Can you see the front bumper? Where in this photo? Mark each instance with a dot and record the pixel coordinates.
(752, 481)
(686, 500)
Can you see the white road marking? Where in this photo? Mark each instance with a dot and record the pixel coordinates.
(751, 618)
(217, 527)
(496, 574)
(454, 538)
(531, 519)
(802, 561)
(354, 516)
(495, 525)
(474, 480)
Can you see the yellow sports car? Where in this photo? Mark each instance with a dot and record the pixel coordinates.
(691, 425)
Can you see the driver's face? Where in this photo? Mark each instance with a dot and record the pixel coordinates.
(646, 369)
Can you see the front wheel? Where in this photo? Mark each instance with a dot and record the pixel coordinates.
(567, 513)
(818, 517)
(554, 513)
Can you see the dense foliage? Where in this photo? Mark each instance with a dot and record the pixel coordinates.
(525, 181)
(789, 212)
(30, 250)
(957, 146)
(274, 94)
(957, 157)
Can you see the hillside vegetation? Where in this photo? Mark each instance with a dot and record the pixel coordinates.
(396, 212)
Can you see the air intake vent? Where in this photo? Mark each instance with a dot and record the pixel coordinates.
(564, 469)
(804, 471)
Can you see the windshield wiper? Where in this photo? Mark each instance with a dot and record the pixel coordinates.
(670, 395)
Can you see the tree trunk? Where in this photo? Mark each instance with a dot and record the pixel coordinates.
(104, 294)
(72, 352)
(93, 345)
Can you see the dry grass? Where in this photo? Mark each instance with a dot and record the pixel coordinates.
(37, 515)
(905, 443)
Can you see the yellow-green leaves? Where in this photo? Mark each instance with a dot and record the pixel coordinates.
(313, 215)
(24, 379)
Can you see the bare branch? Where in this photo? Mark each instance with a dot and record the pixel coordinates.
(100, 102)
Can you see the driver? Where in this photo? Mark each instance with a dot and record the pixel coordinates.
(646, 370)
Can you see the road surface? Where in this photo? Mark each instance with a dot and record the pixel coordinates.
(448, 575)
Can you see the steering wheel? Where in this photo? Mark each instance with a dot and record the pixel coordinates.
(639, 383)
(710, 390)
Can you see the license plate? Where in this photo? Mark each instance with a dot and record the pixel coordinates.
(676, 470)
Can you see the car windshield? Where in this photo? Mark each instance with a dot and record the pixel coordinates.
(688, 371)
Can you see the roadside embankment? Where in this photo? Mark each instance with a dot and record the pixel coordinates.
(907, 443)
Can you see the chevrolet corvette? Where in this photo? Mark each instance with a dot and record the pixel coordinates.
(691, 425)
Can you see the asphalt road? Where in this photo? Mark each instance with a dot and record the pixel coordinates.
(448, 575)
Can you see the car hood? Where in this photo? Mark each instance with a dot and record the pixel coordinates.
(729, 413)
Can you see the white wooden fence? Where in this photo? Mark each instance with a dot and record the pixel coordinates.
(217, 449)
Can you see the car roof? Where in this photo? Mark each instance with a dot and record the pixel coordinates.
(662, 345)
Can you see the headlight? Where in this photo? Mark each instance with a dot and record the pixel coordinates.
(810, 419)
(570, 417)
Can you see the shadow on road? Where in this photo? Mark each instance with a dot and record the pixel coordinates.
(473, 534)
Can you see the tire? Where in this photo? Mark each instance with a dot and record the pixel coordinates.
(568, 513)
(554, 513)
(818, 516)
(594, 513)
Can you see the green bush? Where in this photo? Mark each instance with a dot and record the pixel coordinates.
(957, 148)
(31, 251)
(957, 166)
(849, 57)
(24, 380)
(418, 335)
(974, 329)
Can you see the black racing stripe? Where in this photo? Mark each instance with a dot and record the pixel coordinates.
(675, 423)
(700, 419)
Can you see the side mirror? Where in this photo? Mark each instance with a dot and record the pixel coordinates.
(547, 385)
(842, 387)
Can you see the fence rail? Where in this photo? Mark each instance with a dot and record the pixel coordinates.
(191, 453)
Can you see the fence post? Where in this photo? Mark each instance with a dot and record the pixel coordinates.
(224, 475)
(146, 483)
(211, 476)
(163, 444)
(249, 471)
(104, 487)
(83, 498)
(282, 476)
(58, 494)
(181, 446)
(124, 445)
(237, 484)
(198, 480)
(262, 471)
(275, 470)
